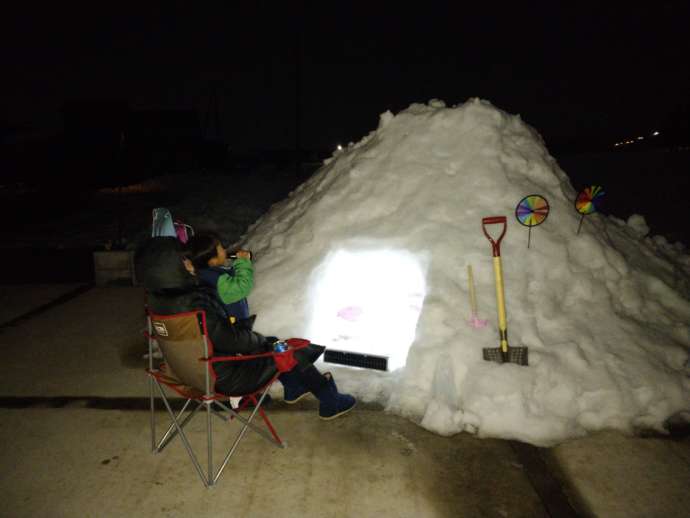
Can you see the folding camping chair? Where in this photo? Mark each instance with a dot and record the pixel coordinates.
(188, 370)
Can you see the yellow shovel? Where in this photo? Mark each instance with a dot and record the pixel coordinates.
(504, 353)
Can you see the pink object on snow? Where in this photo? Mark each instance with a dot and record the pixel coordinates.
(350, 313)
(477, 322)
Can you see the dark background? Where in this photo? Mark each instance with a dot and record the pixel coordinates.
(575, 72)
(98, 94)
(583, 72)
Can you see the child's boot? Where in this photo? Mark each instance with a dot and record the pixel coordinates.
(293, 389)
(332, 404)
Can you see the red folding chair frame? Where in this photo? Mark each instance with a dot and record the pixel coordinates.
(159, 377)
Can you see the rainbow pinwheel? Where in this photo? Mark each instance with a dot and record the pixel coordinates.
(532, 211)
(588, 201)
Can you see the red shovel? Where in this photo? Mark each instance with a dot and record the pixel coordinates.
(504, 353)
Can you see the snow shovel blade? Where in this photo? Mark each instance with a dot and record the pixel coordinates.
(516, 355)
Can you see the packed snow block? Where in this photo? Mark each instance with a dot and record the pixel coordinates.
(114, 267)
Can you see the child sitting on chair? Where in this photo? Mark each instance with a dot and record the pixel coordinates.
(173, 288)
(206, 258)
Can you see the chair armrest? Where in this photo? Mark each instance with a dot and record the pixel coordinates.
(293, 344)
(238, 358)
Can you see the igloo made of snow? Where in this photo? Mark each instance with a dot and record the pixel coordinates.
(370, 255)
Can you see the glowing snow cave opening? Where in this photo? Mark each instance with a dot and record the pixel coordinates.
(368, 302)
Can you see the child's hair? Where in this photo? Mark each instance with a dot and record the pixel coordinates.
(201, 248)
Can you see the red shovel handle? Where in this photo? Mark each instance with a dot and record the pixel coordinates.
(495, 244)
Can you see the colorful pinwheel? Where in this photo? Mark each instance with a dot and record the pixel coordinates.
(588, 202)
(532, 211)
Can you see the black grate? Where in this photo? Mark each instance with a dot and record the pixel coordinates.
(365, 361)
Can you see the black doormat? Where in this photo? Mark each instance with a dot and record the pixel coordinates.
(365, 361)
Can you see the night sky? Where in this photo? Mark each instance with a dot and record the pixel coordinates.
(573, 72)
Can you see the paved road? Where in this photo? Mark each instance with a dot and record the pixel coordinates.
(76, 442)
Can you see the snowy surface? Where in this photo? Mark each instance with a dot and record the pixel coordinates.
(371, 254)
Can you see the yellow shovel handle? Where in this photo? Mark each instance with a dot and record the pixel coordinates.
(500, 298)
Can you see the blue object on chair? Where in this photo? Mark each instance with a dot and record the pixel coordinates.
(163, 225)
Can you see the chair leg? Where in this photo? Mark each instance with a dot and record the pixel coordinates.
(270, 427)
(152, 405)
(209, 444)
(171, 432)
(265, 417)
(235, 444)
(183, 437)
(221, 414)
(177, 425)
(275, 440)
(248, 424)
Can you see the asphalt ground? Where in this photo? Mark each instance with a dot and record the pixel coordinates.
(76, 441)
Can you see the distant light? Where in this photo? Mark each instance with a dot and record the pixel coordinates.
(340, 148)
(640, 138)
(655, 134)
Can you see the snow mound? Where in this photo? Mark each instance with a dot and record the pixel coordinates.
(605, 313)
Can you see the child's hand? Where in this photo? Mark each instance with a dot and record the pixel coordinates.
(243, 254)
(189, 266)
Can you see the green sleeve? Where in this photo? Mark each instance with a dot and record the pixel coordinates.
(237, 287)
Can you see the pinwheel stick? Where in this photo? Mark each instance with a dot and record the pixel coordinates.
(473, 295)
(582, 218)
